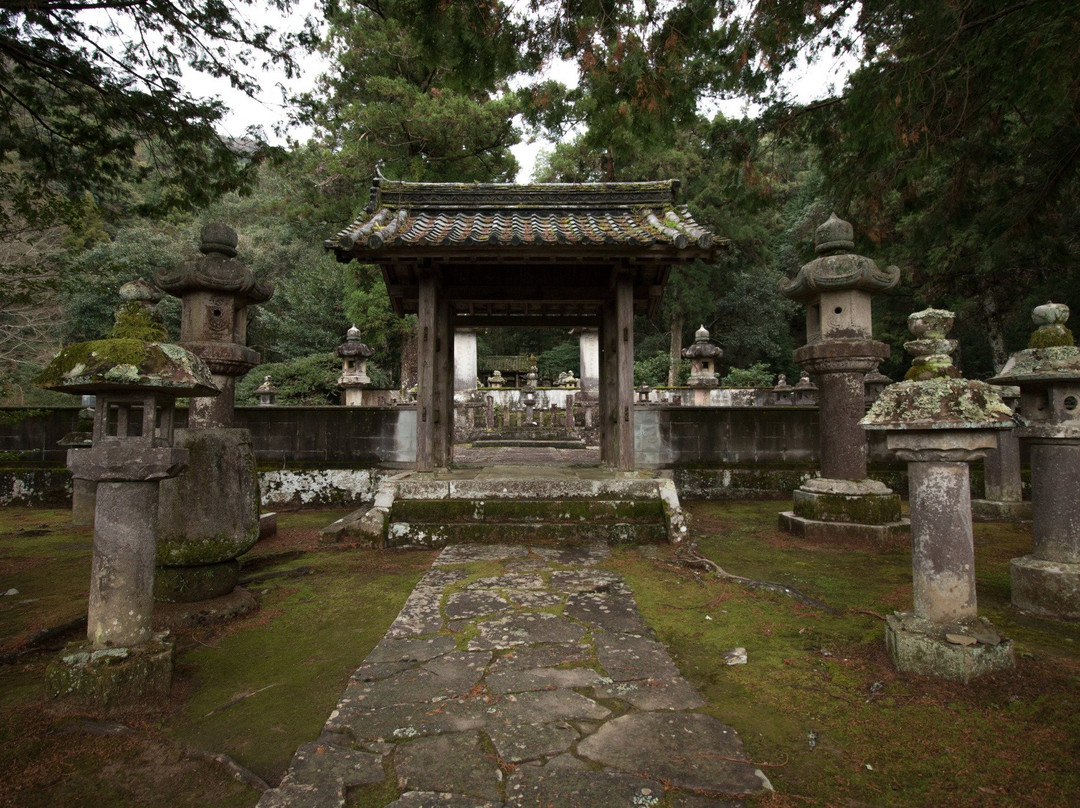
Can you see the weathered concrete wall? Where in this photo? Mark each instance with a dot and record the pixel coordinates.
(320, 435)
(671, 437)
(332, 436)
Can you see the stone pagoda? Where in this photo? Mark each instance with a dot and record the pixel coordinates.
(939, 424)
(1047, 582)
(354, 356)
(211, 516)
(836, 289)
(136, 384)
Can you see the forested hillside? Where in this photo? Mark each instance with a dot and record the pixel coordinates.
(953, 148)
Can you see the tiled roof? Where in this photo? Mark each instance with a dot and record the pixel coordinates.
(406, 215)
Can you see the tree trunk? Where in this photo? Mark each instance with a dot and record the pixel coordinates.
(676, 348)
(998, 353)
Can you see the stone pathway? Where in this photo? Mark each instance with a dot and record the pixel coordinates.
(521, 676)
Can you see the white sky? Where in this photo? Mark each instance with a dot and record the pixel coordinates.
(806, 82)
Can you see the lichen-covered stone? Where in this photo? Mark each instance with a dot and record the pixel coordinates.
(938, 404)
(113, 675)
(127, 364)
(1051, 364)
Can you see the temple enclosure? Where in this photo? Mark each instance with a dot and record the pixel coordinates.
(566, 629)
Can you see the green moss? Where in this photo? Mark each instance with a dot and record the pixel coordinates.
(124, 362)
(926, 741)
(133, 321)
(1052, 336)
(863, 510)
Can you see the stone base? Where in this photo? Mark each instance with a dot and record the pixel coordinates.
(992, 510)
(863, 502)
(918, 646)
(193, 584)
(108, 676)
(211, 513)
(187, 615)
(887, 536)
(1046, 588)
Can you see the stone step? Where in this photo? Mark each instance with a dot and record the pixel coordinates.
(441, 534)
(531, 510)
(547, 488)
(485, 443)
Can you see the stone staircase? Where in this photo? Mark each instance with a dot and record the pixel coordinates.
(423, 511)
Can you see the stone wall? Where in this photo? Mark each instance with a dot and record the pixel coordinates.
(326, 436)
(337, 455)
(680, 437)
(332, 437)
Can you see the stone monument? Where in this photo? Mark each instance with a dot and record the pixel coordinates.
(939, 424)
(836, 288)
(354, 356)
(136, 384)
(211, 516)
(1047, 582)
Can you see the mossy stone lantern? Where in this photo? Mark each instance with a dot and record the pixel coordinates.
(836, 288)
(1047, 582)
(136, 384)
(939, 424)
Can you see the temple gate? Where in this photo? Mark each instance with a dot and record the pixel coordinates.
(474, 255)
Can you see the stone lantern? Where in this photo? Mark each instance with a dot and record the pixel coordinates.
(266, 392)
(1047, 582)
(496, 380)
(836, 288)
(939, 424)
(210, 516)
(783, 393)
(215, 291)
(354, 356)
(136, 384)
(806, 392)
(702, 355)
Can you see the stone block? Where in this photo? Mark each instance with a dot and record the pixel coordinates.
(1046, 588)
(922, 647)
(991, 510)
(194, 583)
(109, 676)
(210, 514)
(882, 537)
(865, 509)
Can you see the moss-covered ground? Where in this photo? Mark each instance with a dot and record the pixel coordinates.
(818, 705)
(253, 689)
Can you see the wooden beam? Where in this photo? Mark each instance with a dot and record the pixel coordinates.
(624, 314)
(461, 320)
(425, 361)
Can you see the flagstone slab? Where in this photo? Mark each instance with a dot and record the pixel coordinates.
(538, 684)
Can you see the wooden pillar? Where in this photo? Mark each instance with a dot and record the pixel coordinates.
(607, 393)
(425, 371)
(443, 427)
(624, 313)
